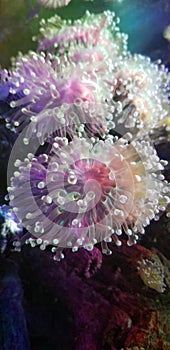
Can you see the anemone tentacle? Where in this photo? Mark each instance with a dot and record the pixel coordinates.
(70, 198)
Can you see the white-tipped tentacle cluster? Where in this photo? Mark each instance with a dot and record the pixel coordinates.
(92, 31)
(79, 89)
(53, 3)
(88, 191)
(48, 88)
(140, 93)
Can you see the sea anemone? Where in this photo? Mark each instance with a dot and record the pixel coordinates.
(140, 93)
(88, 186)
(38, 84)
(101, 30)
(53, 3)
(88, 191)
(140, 88)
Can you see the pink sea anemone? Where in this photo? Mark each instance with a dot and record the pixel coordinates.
(88, 191)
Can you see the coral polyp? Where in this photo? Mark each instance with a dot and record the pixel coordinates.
(88, 191)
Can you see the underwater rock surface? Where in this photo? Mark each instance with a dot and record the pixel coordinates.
(13, 329)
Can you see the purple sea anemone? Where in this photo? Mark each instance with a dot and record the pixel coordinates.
(37, 85)
(88, 191)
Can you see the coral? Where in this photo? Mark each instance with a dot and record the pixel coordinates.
(112, 309)
(152, 273)
(151, 336)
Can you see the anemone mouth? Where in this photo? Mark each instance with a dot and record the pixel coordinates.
(79, 192)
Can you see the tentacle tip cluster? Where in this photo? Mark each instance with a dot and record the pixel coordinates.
(95, 108)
